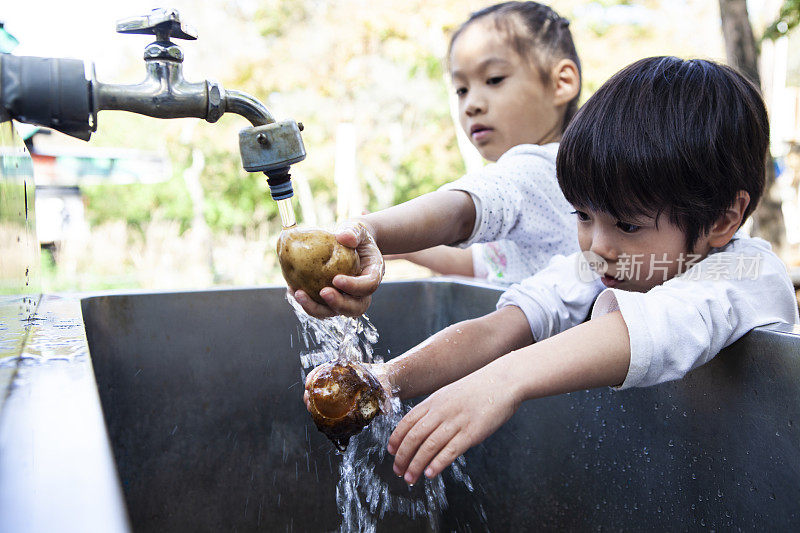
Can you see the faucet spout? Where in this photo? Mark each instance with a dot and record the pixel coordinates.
(245, 105)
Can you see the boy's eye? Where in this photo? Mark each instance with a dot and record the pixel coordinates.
(581, 215)
(495, 80)
(628, 228)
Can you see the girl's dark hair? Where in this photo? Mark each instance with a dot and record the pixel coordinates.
(547, 40)
(681, 137)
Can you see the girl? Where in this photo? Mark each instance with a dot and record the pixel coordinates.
(517, 78)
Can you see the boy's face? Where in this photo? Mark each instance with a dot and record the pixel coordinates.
(502, 101)
(635, 255)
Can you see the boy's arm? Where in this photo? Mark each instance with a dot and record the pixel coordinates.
(440, 217)
(442, 260)
(457, 351)
(453, 419)
(451, 354)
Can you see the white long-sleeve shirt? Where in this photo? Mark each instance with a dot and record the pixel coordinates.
(520, 211)
(676, 326)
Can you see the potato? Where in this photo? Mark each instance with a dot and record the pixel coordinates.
(343, 398)
(310, 258)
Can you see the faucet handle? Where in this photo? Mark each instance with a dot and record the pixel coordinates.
(161, 22)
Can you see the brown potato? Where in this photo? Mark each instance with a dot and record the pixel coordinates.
(343, 398)
(310, 258)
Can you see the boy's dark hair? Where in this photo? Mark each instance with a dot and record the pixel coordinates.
(681, 137)
(547, 40)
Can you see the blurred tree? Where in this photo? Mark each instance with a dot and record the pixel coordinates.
(742, 52)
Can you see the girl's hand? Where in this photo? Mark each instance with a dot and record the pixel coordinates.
(449, 422)
(354, 293)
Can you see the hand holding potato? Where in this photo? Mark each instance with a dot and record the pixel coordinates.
(348, 294)
(343, 397)
(311, 258)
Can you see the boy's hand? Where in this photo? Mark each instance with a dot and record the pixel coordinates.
(449, 422)
(379, 370)
(354, 293)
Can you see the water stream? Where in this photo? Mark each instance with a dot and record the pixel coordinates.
(368, 491)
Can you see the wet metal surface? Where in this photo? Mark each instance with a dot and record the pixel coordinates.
(19, 248)
(56, 468)
(202, 400)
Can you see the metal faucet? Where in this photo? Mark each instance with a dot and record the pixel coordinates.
(73, 101)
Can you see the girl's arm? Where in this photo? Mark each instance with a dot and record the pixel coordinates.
(455, 418)
(440, 217)
(444, 260)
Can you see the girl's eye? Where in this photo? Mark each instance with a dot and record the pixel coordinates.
(495, 80)
(628, 228)
(581, 215)
(461, 91)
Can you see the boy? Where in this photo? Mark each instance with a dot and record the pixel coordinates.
(663, 164)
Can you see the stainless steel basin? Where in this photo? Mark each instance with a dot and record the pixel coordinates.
(201, 394)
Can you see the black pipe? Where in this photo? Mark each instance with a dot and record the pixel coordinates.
(47, 91)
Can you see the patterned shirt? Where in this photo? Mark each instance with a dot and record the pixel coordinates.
(520, 212)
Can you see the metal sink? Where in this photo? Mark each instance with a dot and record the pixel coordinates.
(201, 395)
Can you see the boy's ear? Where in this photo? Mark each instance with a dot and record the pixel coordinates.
(567, 81)
(723, 229)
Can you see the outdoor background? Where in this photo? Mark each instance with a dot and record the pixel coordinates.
(366, 78)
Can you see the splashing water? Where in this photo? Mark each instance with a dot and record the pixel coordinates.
(368, 489)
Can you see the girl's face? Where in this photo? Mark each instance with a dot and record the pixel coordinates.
(502, 101)
(635, 255)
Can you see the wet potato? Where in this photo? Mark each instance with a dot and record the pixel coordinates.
(343, 398)
(310, 258)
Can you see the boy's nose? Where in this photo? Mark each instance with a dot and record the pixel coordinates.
(603, 246)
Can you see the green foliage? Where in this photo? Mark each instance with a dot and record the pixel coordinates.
(235, 200)
(427, 170)
(278, 15)
(788, 18)
(137, 204)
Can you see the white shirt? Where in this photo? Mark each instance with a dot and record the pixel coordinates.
(676, 326)
(521, 210)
